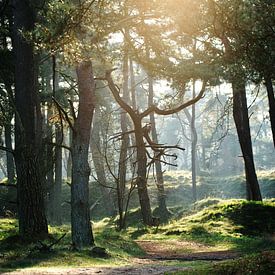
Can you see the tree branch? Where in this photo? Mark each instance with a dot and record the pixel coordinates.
(64, 113)
(3, 148)
(8, 185)
(192, 101)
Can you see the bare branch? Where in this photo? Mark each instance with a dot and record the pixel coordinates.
(64, 113)
(60, 145)
(8, 185)
(3, 148)
(192, 101)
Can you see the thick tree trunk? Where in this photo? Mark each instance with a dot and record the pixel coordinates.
(271, 102)
(95, 144)
(240, 113)
(31, 210)
(80, 213)
(163, 211)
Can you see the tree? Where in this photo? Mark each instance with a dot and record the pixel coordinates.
(28, 138)
(142, 135)
(210, 20)
(237, 78)
(162, 208)
(80, 216)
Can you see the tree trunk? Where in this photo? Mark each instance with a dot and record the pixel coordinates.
(124, 143)
(55, 194)
(80, 209)
(57, 187)
(95, 144)
(271, 102)
(133, 86)
(69, 154)
(10, 161)
(163, 211)
(31, 209)
(12, 192)
(141, 175)
(49, 166)
(240, 113)
(194, 138)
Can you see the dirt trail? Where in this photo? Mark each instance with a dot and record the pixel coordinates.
(159, 253)
(183, 250)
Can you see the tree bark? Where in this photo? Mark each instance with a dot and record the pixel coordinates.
(80, 209)
(271, 102)
(240, 114)
(28, 152)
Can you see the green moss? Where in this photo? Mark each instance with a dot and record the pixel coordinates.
(258, 264)
(17, 253)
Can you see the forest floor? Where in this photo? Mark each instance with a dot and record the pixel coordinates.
(229, 237)
(160, 258)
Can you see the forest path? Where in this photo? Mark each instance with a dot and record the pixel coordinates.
(156, 261)
(184, 251)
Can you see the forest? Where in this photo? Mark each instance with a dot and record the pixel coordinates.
(137, 137)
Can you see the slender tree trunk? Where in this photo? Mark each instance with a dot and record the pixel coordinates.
(12, 192)
(69, 159)
(10, 161)
(49, 166)
(133, 86)
(55, 195)
(57, 188)
(240, 113)
(271, 102)
(95, 144)
(163, 211)
(80, 209)
(125, 139)
(194, 138)
(31, 210)
(141, 175)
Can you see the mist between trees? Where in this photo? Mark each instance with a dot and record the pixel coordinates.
(107, 106)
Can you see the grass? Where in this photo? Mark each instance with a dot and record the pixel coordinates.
(16, 253)
(228, 225)
(209, 225)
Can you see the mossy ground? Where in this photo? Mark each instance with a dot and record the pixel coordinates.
(214, 224)
(16, 253)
